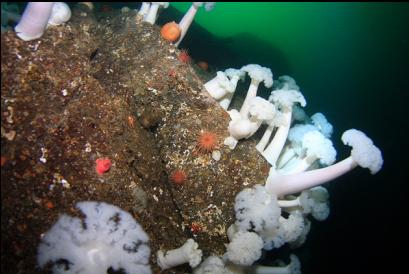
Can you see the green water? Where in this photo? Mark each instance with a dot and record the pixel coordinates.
(345, 56)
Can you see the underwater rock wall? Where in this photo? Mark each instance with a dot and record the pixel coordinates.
(113, 89)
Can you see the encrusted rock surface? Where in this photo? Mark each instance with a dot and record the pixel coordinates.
(112, 89)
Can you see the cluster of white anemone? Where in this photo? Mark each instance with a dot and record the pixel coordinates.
(302, 157)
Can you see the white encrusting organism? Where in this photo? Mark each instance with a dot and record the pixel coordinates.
(231, 142)
(187, 253)
(108, 238)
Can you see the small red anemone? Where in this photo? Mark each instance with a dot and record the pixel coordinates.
(178, 177)
(184, 56)
(195, 228)
(103, 165)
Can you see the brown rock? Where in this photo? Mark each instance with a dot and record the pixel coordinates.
(72, 93)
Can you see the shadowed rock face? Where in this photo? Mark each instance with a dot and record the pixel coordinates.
(112, 89)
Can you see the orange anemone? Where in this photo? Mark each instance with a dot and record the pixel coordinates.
(170, 31)
(203, 65)
(207, 141)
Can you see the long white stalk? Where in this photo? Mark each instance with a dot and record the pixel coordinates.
(298, 166)
(226, 100)
(286, 156)
(266, 137)
(34, 20)
(186, 21)
(251, 93)
(273, 150)
(281, 185)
